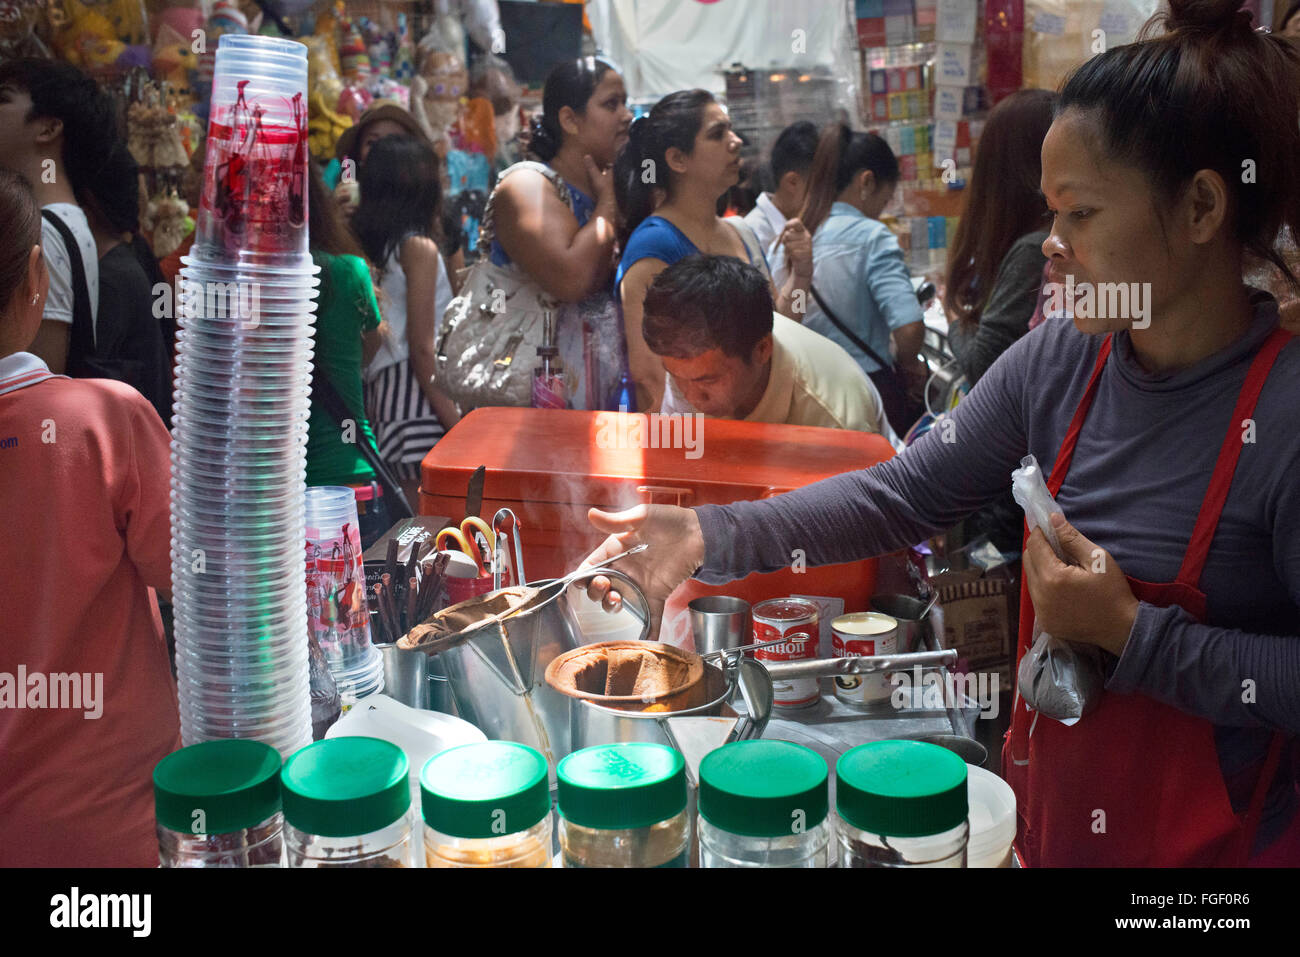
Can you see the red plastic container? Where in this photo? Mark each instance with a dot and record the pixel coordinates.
(551, 466)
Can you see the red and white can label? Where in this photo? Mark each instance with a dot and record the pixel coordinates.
(863, 633)
(796, 622)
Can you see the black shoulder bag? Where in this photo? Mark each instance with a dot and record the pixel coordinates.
(323, 390)
(901, 410)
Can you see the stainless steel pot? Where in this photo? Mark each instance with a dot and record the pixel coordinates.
(498, 674)
(592, 724)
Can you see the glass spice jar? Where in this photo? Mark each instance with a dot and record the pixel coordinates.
(486, 805)
(217, 804)
(347, 804)
(764, 804)
(901, 804)
(624, 805)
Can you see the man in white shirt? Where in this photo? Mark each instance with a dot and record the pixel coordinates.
(792, 156)
(54, 122)
(728, 355)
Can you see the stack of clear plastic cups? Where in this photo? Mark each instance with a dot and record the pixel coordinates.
(246, 316)
(338, 611)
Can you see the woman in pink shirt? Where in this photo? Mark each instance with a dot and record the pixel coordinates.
(87, 700)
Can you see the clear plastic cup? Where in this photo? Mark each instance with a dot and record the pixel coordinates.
(248, 698)
(228, 710)
(290, 265)
(279, 732)
(271, 657)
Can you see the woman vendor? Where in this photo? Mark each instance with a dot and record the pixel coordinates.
(1167, 429)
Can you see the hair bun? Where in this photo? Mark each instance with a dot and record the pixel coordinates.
(1208, 17)
(540, 140)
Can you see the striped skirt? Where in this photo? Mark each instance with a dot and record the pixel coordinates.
(405, 425)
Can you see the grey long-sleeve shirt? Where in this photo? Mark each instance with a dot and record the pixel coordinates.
(1005, 318)
(1140, 472)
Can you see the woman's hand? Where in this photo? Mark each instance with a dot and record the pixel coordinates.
(798, 249)
(1088, 601)
(676, 551)
(348, 195)
(602, 184)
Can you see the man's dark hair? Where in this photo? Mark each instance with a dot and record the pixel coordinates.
(88, 112)
(707, 302)
(794, 150)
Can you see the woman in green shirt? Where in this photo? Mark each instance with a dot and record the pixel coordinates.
(347, 331)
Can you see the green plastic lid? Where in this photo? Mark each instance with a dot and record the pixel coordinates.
(764, 788)
(901, 788)
(343, 787)
(616, 786)
(235, 784)
(485, 790)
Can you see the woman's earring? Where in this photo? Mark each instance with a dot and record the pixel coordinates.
(36, 298)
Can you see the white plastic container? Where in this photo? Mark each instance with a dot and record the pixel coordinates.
(992, 819)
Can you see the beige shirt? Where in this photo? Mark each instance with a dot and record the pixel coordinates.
(813, 381)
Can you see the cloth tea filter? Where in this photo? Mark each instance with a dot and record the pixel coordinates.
(630, 676)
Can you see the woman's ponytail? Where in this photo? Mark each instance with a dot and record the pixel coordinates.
(642, 167)
(841, 155)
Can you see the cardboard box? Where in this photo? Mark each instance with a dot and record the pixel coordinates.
(979, 622)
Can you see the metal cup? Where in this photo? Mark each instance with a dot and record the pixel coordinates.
(910, 613)
(719, 622)
(406, 676)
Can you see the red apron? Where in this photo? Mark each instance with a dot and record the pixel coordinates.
(1136, 783)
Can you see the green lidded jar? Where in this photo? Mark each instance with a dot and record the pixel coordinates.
(486, 805)
(217, 804)
(624, 805)
(901, 804)
(764, 804)
(347, 804)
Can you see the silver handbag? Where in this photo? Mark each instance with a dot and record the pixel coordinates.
(490, 332)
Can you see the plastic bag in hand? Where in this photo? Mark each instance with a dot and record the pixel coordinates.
(1056, 678)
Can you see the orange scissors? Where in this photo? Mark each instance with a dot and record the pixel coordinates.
(465, 539)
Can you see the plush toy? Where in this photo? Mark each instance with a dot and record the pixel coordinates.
(24, 28)
(173, 57)
(436, 92)
(89, 40)
(153, 136)
(167, 218)
(352, 49)
(325, 124)
(477, 129)
(377, 48)
(404, 53)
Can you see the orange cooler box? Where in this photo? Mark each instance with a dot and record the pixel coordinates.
(551, 466)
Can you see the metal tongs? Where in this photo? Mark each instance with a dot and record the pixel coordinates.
(726, 653)
(506, 525)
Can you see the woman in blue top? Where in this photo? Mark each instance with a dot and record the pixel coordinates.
(858, 267)
(567, 248)
(679, 160)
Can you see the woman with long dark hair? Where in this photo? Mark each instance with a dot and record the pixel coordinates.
(995, 264)
(859, 272)
(554, 222)
(680, 158)
(347, 325)
(1163, 416)
(397, 224)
